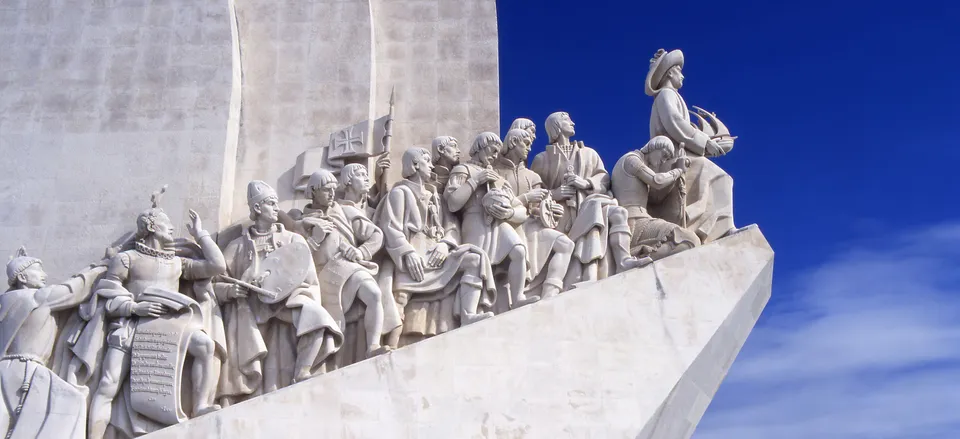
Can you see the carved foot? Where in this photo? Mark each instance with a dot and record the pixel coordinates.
(378, 350)
(206, 409)
(523, 300)
(553, 292)
(466, 319)
(302, 375)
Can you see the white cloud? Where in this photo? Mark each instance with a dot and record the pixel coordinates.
(865, 345)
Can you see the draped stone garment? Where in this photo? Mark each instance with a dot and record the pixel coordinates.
(262, 344)
(497, 238)
(709, 200)
(414, 219)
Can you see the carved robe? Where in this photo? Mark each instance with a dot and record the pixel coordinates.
(709, 201)
(51, 408)
(539, 239)
(586, 220)
(414, 219)
(635, 184)
(263, 340)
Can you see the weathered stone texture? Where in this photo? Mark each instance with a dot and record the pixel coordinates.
(101, 103)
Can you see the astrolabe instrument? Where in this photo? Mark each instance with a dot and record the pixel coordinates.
(546, 213)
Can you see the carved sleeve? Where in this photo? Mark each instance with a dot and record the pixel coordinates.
(599, 178)
(212, 264)
(667, 106)
(120, 305)
(635, 166)
(539, 166)
(369, 235)
(71, 293)
(392, 227)
(459, 188)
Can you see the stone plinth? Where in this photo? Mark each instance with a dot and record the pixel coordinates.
(637, 355)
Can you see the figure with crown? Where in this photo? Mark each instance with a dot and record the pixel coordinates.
(148, 327)
(278, 331)
(39, 404)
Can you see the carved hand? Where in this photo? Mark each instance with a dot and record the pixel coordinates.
(194, 226)
(383, 163)
(149, 309)
(537, 195)
(564, 192)
(352, 254)
(488, 175)
(557, 209)
(713, 149)
(236, 292)
(414, 264)
(501, 212)
(576, 181)
(437, 255)
(681, 164)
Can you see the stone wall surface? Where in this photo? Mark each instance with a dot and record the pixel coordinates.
(101, 103)
(637, 355)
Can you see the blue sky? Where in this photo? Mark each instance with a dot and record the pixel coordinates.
(847, 116)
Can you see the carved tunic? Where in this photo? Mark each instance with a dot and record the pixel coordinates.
(496, 238)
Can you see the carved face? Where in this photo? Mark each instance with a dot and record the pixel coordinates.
(488, 153)
(269, 209)
(162, 228)
(424, 167)
(657, 159)
(532, 129)
(360, 182)
(676, 77)
(33, 277)
(521, 149)
(323, 196)
(566, 126)
(450, 153)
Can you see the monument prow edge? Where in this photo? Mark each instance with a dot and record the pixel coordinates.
(639, 354)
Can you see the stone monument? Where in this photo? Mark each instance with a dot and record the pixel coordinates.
(476, 296)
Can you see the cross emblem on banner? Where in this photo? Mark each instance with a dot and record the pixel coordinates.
(347, 143)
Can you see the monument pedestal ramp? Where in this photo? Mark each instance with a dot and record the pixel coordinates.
(637, 355)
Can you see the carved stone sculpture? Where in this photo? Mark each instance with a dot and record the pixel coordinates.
(637, 184)
(39, 404)
(575, 176)
(343, 241)
(709, 199)
(522, 123)
(436, 278)
(488, 210)
(548, 250)
(446, 155)
(278, 331)
(149, 328)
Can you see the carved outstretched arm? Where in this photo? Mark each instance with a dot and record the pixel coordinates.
(459, 189)
(212, 264)
(73, 292)
(636, 167)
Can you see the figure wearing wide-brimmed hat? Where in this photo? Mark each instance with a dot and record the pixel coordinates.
(709, 190)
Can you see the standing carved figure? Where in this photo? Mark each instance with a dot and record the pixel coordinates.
(636, 183)
(432, 274)
(343, 245)
(39, 404)
(136, 296)
(548, 250)
(709, 200)
(275, 338)
(489, 209)
(575, 176)
(446, 155)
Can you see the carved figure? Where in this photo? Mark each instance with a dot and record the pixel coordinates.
(142, 286)
(274, 338)
(636, 184)
(489, 209)
(446, 155)
(525, 124)
(343, 241)
(426, 261)
(548, 250)
(709, 201)
(39, 404)
(593, 219)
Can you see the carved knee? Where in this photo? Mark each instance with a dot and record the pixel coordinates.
(518, 252)
(371, 291)
(471, 262)
(617, 218)
(201, 345)
(564, 245)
